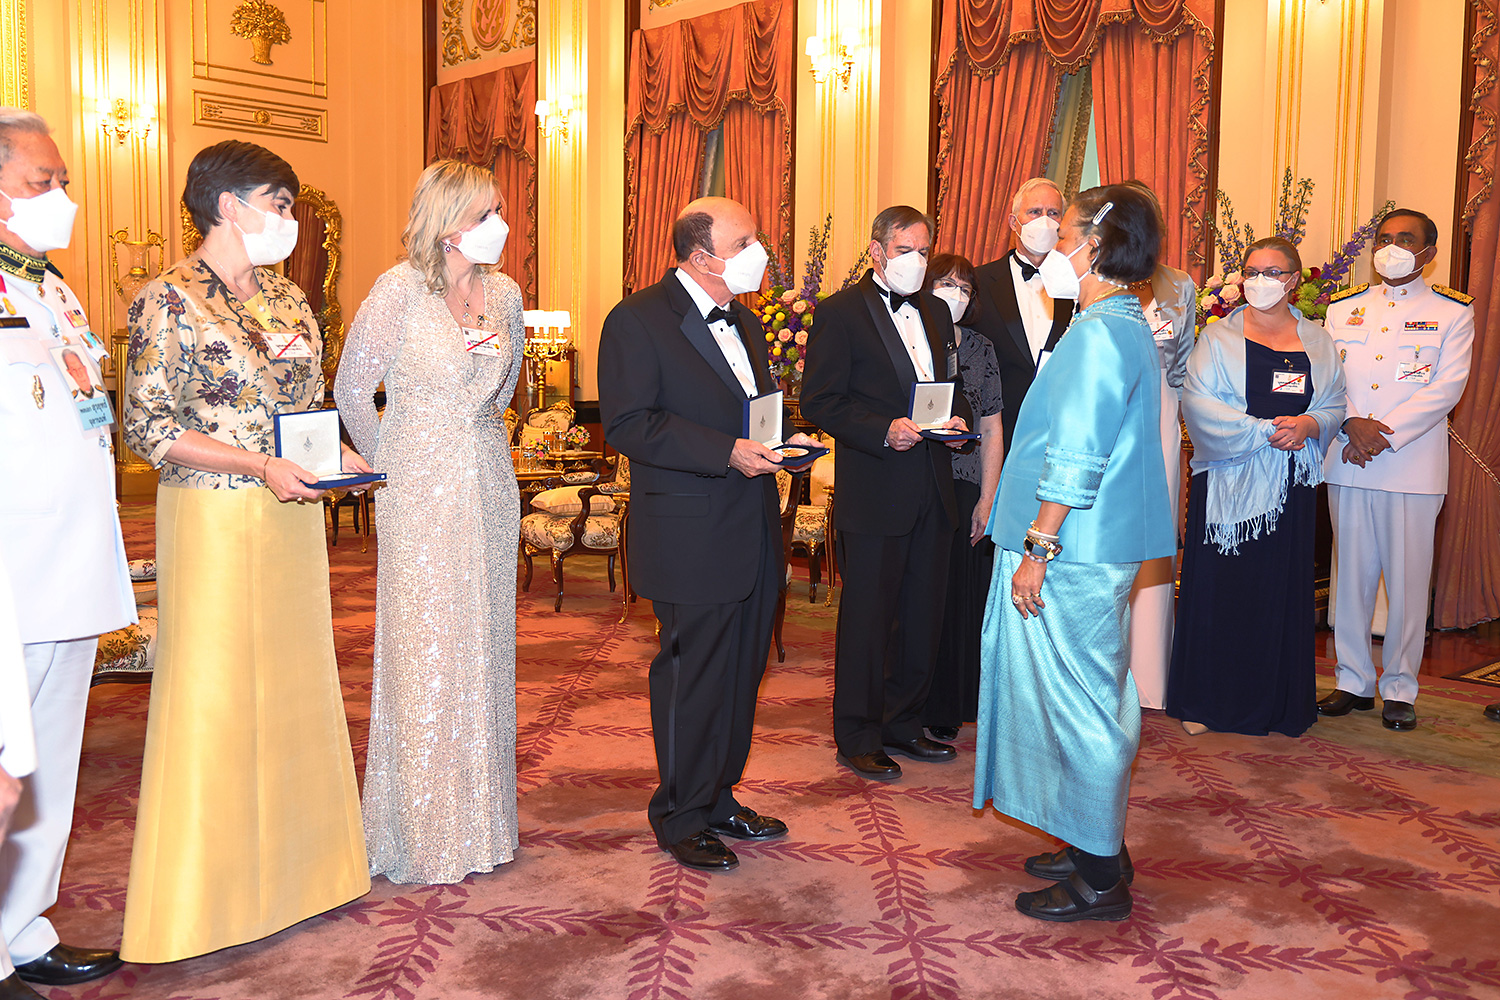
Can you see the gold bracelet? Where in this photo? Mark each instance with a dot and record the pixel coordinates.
(263, 467)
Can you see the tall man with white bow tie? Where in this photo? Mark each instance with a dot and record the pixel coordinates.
(59, 543)
(1405, 347)
(893, 503)
(1011, 307)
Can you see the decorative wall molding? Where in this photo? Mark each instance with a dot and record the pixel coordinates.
(15, 61)
(472, 29)
(300, 66)
(244, 114)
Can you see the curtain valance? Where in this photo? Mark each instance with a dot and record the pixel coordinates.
(468, 118)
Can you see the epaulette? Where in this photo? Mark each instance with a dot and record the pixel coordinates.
(1454, 294)
(1336, 296)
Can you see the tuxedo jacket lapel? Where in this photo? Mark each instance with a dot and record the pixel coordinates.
(1002, 292)
(1062, 315)
(934, 342)
(695, 328)
(906, 372)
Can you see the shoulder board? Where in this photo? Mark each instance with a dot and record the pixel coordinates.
(1454, 294)
(1346, 293)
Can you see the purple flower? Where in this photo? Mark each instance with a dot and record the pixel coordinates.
(223, 392)
(217, 352)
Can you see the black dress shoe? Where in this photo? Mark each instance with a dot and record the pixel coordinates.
(65, 965)
(1058, 865)
(703, 851)
(922, 748)
(747, 824)
(1340, 702)
(1074, 899)
(11, 988)
(876, 766)
(1398, 715)
(1492, 712)
(944, 733)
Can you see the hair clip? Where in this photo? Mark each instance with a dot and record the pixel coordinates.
(1099, 215)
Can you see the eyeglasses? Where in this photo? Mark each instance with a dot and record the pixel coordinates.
(1269, 272)
(1403, 240)
(951, 283)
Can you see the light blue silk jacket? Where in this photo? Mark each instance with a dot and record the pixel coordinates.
(1089, 436)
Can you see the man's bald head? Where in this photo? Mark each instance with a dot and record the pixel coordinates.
(695, 228)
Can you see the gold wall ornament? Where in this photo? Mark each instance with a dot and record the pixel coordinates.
(331, 315)
(138, 259)
(122, 120)
(264, 24)
(248, 114)
(191, 238)
(15, 61)
(487, 19)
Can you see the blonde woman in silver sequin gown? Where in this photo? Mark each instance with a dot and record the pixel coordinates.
(440, 777)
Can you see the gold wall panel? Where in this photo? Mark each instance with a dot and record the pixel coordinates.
(15, 64)
(473, 29)
(245, 114)
(298, 67)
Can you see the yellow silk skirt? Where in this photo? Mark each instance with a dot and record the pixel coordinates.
(249, 812)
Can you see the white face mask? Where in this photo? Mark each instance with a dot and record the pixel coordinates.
(957, 299)
(1058, 276)
(1264, 291)
(43, 222)
(485, 242)
(1393, 262)
(274, 243)
(905, 273)
(1040, 234)
(743, 272)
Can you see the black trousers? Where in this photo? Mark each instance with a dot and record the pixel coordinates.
(704, 682)
(954, 696)
(890, 618)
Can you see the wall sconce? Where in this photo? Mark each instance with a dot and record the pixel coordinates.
(122, 120)
(830, 58)
(552, 117)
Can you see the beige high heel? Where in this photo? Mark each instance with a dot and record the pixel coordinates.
(1194, 728)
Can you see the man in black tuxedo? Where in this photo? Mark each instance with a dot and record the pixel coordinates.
(677, 360)
(893, 505)
(1011, 307)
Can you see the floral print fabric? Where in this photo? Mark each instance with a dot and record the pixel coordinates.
(199, 360)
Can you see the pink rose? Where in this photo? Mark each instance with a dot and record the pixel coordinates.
(784, 336)
(1230, 293)
(801, 338)
(789, 296)
(1215, 283)
(800, 364)
(799, 307)
(1233, 278)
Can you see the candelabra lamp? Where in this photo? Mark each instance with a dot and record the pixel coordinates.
(547, 341)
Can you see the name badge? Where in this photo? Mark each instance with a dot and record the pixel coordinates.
(285, 346)
(1292, 383)
(485, 342)
(1162, 332)
(75, 317)
(953, 364)
(81, 376)
(14, 322)
(1421, 326)
(1413, 371)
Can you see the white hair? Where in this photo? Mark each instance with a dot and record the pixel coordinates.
(14, 121)
(1029, 186)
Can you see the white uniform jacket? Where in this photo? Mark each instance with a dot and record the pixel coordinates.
(1406, 352)
(59, 531)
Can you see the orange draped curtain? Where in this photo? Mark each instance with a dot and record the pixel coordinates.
(490, 120)
(1002, 63)
(1468, 547)
(731, 67)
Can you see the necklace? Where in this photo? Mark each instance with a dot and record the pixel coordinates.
(465, 300)
(224, 276)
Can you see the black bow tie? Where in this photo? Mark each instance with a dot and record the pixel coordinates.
(1028, 269)
(898, 300)
(717, 313)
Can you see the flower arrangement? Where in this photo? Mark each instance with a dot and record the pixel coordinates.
(786, 311)
(576, 438)
(1221, 295)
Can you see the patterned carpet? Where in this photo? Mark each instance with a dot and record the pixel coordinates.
(1350, 863)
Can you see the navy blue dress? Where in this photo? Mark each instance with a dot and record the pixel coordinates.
(1242, 654)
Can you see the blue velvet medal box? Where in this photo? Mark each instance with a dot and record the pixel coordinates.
(311, 439)
(763, 423)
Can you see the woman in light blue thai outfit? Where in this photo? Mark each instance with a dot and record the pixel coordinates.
(1263, 400)
(1082, 503)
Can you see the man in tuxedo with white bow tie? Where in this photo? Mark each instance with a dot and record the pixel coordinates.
(893, 504)
(677, 362)
(1011, 307)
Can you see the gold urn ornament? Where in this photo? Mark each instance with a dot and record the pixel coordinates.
(264, 24)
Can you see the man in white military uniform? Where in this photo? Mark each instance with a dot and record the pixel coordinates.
(60, 544)
(1405, 348)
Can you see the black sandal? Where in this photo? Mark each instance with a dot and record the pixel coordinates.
(1074, 899)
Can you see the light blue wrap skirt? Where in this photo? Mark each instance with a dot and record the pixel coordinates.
(1059, 717)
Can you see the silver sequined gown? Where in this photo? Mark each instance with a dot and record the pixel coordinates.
(440, 778)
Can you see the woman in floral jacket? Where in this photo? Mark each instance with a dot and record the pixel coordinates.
(249, 814)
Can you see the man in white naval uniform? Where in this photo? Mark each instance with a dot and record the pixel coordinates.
(1405, 346)
(60, 545)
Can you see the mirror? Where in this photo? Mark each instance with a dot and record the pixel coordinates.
(313, 265)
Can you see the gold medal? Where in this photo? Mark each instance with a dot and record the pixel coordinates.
(38, 392)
